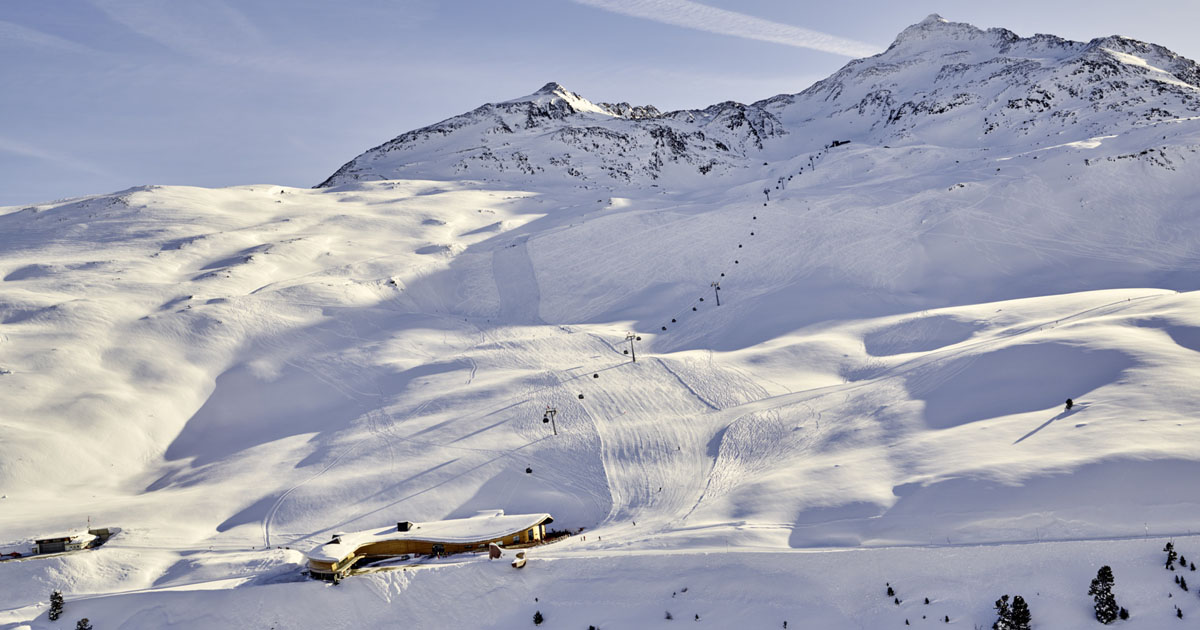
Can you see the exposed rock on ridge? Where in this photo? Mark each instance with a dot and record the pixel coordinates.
(555, 132)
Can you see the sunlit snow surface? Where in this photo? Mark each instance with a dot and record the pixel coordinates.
(878, 398)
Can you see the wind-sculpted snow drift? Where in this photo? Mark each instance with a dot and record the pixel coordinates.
(919, 259)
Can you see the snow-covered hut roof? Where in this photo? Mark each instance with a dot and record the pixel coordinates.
(70, 535)
(485, 526)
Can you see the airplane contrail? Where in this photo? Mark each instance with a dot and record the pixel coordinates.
(702, 17)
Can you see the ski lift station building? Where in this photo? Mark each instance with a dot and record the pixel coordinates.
(336, 557)
(67, 541)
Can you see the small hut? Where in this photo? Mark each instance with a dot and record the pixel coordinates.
(336, 557)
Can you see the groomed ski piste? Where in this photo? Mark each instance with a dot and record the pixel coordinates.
(232, 375)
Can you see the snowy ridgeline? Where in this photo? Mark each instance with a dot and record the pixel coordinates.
(941, 83)
(877, 399)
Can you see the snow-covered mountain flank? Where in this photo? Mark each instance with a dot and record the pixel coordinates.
(917, 261)
(940, 82)
(557, 132)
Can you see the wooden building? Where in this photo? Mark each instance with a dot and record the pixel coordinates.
(336, 557)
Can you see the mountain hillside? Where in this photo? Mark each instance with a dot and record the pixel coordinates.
(857, 312)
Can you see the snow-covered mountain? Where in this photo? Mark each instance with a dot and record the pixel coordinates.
(940, 82)
(917, 261)
(956, 85)
(555, 132)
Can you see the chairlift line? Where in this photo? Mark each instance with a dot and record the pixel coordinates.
(715, 285)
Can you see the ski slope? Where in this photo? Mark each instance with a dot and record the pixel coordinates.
(233, 375)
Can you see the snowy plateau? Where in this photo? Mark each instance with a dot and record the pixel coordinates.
(919, 259)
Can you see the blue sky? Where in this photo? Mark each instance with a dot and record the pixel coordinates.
(101, 95)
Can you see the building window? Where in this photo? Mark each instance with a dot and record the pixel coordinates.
(517, 538)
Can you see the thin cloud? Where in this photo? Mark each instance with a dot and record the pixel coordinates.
(208, 30)
(713, 20)
(11, 33)
(205, 29)
(211, 31)
(26, 150)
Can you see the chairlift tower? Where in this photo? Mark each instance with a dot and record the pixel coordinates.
(717, 291)
(630, 337)
(549, 417)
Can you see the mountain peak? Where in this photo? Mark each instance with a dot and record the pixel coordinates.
(936, 28)
(553, 87)
(561, 100)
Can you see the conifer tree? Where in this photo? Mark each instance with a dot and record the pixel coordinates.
(1101, 592)
(1021, 618)
(1171, 555)
(538, 618)
(56, 605)
(1183, 583)
(83, 624)
(1003, 615)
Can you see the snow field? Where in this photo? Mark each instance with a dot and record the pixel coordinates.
(636, 588)
(878, 398)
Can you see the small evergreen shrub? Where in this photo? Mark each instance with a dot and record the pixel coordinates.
(56, 605)
(1105, 604)
(1012, 617)
(1021, 617)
